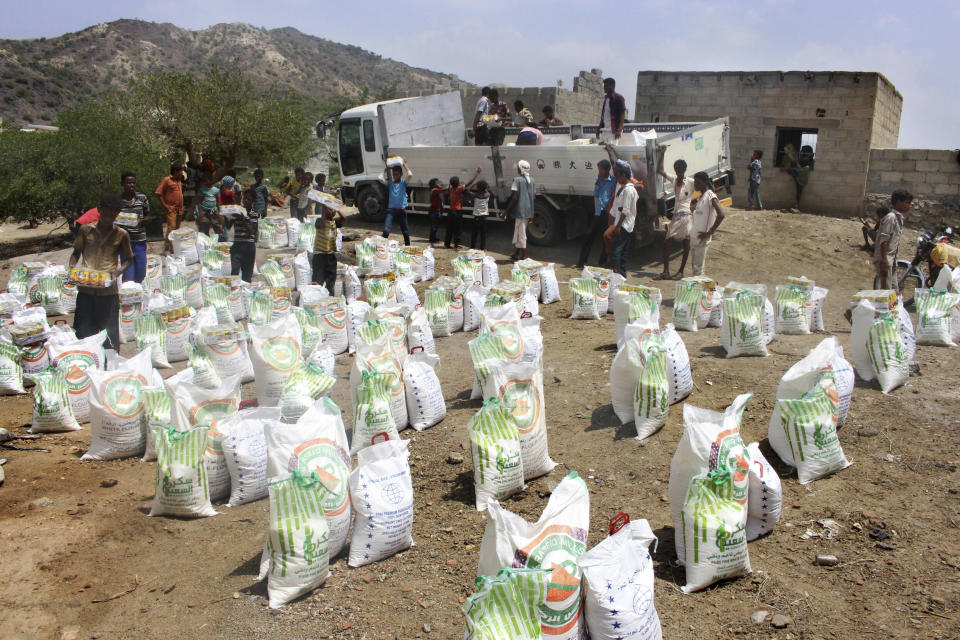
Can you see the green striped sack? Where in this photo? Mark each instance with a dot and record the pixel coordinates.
(373, 421)
(887, 353)
(366, 255)
(181, 480)
(307, 383)
(156, 413)
(379, 291)
(792, 305)
(51, 295)
(402, 263)
(585, 304)
(273, 274)
(495, 449)
(51, 402)
(467, 270)
(742, 330)
(174, 287)
(934, 316)
(149, 331)
(298, 540)
(213, 261)
(436, 303)
(488, 354)
(652, 397)
(265, 233)
(11, 369)
(308, 234)
(311, 329)
(686, 305)
(521, 276)
(641, 306)
(372, 331)
(714, 535)
(261, 308)
(507, 606)
(810, 425)
(18, 281)
(204, 372)
(218, 297)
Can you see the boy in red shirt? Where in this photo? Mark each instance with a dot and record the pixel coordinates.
(455, 216)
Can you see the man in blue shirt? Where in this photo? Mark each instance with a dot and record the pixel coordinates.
(602, 197)
(397, 199)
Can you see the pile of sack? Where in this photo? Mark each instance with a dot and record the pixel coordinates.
(537, 579)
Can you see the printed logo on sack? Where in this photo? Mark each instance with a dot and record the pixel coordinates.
(76, 364)
(507, 460)
(510, 338)
(123, 395)
(332, 465)
(313, 549)
(392, 493)
(227, 348)
(557, 548)
(178, 487)
(524, 402)
(207, 413)
(456, 303)
(729, 451)
(281, 353)
(129, 312)
(34, 352)
(729, 538)
(380, 251)
(749, 333)
(34, 293)
(177, 326)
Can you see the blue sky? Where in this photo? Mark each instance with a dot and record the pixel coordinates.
(536, 43)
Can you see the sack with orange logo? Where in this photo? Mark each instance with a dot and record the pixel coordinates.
(553, 542)
(116, 409)
(275, 353)
(316, 443)
(75, 358)
(519, 388)
(711, 443)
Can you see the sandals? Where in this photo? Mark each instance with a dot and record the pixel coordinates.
(662, 276)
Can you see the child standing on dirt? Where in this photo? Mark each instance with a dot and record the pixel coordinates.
(325, 248)
(243, 251)
(397, 199)
(679, 227)
(888, 238)
(455, 213)
(870, 232)
(209, 217)
(436, 208)
(753, 186)
(706, 218)
(481, 210)
(623, 214)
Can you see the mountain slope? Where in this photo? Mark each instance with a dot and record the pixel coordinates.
(42, 76)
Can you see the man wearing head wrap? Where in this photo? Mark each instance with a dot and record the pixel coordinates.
(521, 204)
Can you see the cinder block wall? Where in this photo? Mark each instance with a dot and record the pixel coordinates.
(840, 105)
(929, 173)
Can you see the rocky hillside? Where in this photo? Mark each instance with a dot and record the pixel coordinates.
(40, 77)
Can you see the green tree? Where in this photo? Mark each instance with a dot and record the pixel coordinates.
(29, 191)
(222, 115)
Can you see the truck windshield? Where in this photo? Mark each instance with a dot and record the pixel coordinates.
(351, 154)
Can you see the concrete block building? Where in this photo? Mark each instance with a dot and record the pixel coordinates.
(842, 115)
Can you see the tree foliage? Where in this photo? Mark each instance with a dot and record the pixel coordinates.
(223, 116)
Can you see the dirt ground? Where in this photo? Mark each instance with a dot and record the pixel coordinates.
(163, 578)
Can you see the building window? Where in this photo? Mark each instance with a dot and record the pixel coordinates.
(802, 147)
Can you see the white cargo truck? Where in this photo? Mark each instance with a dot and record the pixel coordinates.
(429, 133)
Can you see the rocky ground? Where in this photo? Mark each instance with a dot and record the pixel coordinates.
(81, 558)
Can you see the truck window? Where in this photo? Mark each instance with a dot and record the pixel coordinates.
(369, 143)
(351, 155)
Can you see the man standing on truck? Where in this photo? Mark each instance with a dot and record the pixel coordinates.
(523, 196)
(680, 224)
(602, 197)
(480, 130)
(611, 113)
(396, 198)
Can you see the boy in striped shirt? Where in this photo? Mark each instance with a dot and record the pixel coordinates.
(325, 248)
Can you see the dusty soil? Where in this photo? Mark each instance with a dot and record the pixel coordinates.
(182, 578)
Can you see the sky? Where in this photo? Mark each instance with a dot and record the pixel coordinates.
(536, 43)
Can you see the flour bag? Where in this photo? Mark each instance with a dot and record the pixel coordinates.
(381, 491)
(496, 452)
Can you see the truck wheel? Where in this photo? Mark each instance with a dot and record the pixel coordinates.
(370, 204)
(545, 227)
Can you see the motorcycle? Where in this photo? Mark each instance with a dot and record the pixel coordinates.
(911, 272)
